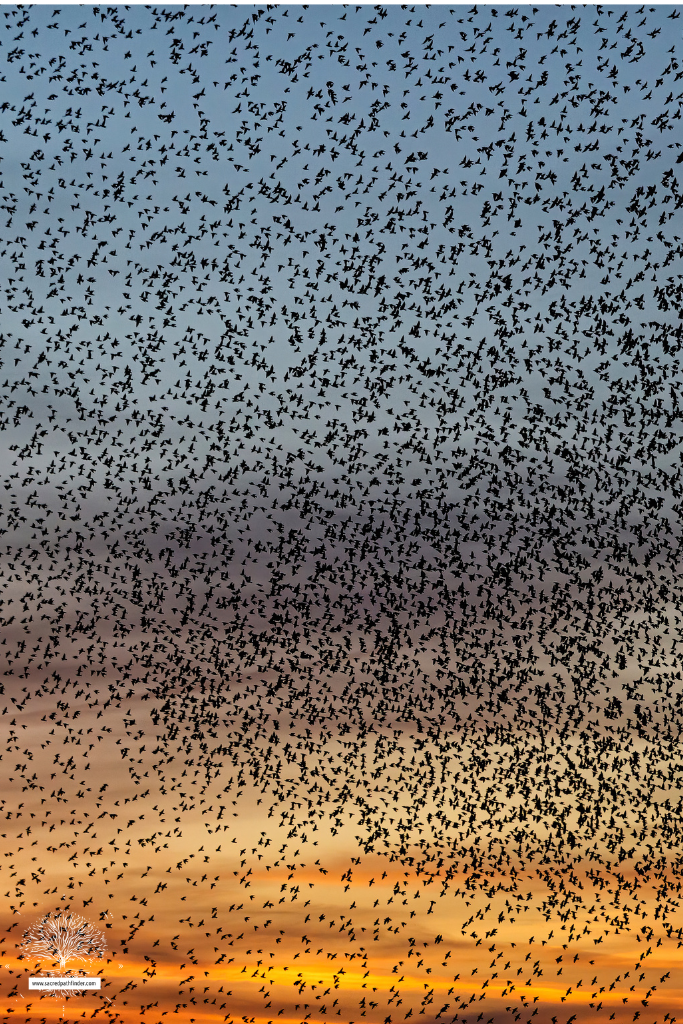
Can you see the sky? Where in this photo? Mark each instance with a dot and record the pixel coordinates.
(340, 517)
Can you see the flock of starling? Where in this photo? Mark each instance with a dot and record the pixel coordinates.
(340, 519)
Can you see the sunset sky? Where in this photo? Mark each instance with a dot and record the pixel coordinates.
(341, 510)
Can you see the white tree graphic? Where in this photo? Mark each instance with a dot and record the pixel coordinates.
(64, 936)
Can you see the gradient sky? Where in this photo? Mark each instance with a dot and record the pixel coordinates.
(341, 533)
